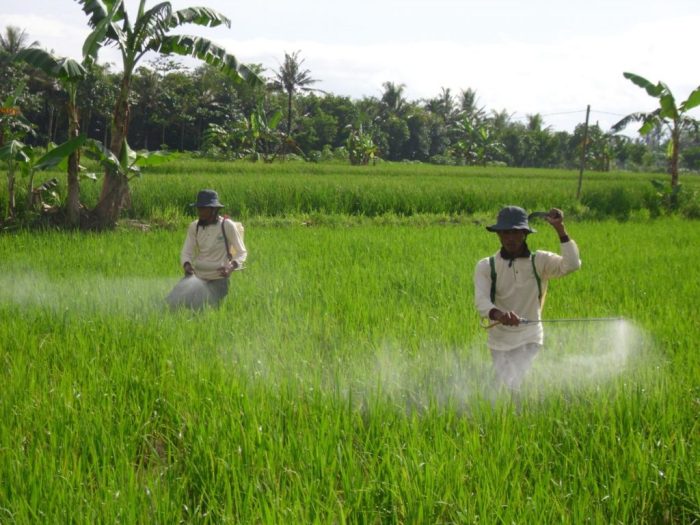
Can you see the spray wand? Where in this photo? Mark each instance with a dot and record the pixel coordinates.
(488, 326)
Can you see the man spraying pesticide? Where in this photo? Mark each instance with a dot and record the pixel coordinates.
(510, 287)
(213, 249)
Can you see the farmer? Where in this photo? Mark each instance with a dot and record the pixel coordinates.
(510, 287)
(213, 249)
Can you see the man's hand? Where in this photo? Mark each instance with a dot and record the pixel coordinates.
(506, 318)
(227, 268)
(556, 219)
(188, 269)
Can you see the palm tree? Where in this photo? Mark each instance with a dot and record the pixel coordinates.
(468, 100)
(535, 123)
(500, 120)
(290, 78)
(668, 114)
(14, 40)
(150, 31)
(441, 106)
(393, 98)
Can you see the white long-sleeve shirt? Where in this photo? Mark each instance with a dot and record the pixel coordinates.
(516, 291)
(205, 248)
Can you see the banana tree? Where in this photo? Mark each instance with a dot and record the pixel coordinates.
(69, 73)
(30, 160)
(128, 163)
(150, 31)
(475, 143)
(669, 114)
(361, 148)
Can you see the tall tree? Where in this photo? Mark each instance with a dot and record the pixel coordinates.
(290, 78)
(69, 73)
(669, 114)
(393, 97)
(14, 40)
(151, 31)
(468, 105)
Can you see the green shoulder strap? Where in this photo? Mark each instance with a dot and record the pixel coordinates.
(492, 263)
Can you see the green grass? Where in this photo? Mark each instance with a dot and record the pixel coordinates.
(345, 380)
(280, 190)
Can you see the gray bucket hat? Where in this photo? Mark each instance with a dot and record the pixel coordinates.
(207, 199)
(511, 218)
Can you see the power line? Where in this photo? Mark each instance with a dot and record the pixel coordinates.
(563, 113)
(573, 112)
(609, 113)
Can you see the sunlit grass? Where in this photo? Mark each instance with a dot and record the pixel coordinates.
(345, 379)
(251, 190)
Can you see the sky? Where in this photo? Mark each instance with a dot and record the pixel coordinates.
(552, 57)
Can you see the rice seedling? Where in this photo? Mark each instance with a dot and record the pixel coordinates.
(344, 380)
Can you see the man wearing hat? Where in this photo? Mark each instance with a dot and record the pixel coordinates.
(213, 249)
(510, 286)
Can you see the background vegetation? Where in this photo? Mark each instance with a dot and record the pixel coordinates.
(301, 190)
(204, 110)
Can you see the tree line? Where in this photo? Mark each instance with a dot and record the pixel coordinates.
(203, 110)
(223, 109)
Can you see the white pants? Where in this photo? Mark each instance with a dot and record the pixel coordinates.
(510, 366)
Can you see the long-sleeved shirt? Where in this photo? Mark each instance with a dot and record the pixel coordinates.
(517, 291)
(205, 248)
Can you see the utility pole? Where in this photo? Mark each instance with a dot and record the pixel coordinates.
(583, 153)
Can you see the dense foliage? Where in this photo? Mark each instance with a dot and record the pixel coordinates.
(173, 108)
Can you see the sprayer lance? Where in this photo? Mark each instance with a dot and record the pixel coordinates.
(569, 320)
(572, 320)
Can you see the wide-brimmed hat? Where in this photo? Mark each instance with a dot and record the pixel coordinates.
(207, 199)
(511, 218)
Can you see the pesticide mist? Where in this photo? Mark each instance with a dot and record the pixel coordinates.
(94, 294)
(575, 355)
(586, 354)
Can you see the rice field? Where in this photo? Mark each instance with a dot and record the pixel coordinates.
(296, 189)
(345, 379)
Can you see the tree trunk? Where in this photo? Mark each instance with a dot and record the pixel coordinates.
(675, 150)
(11, 204)
(115, 187)
(105, 135)
(145, 127)
(73, 201)
(49, 127)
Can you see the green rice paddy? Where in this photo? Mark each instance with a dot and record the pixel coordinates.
(346, 378)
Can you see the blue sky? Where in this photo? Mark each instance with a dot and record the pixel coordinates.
(551, 57)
